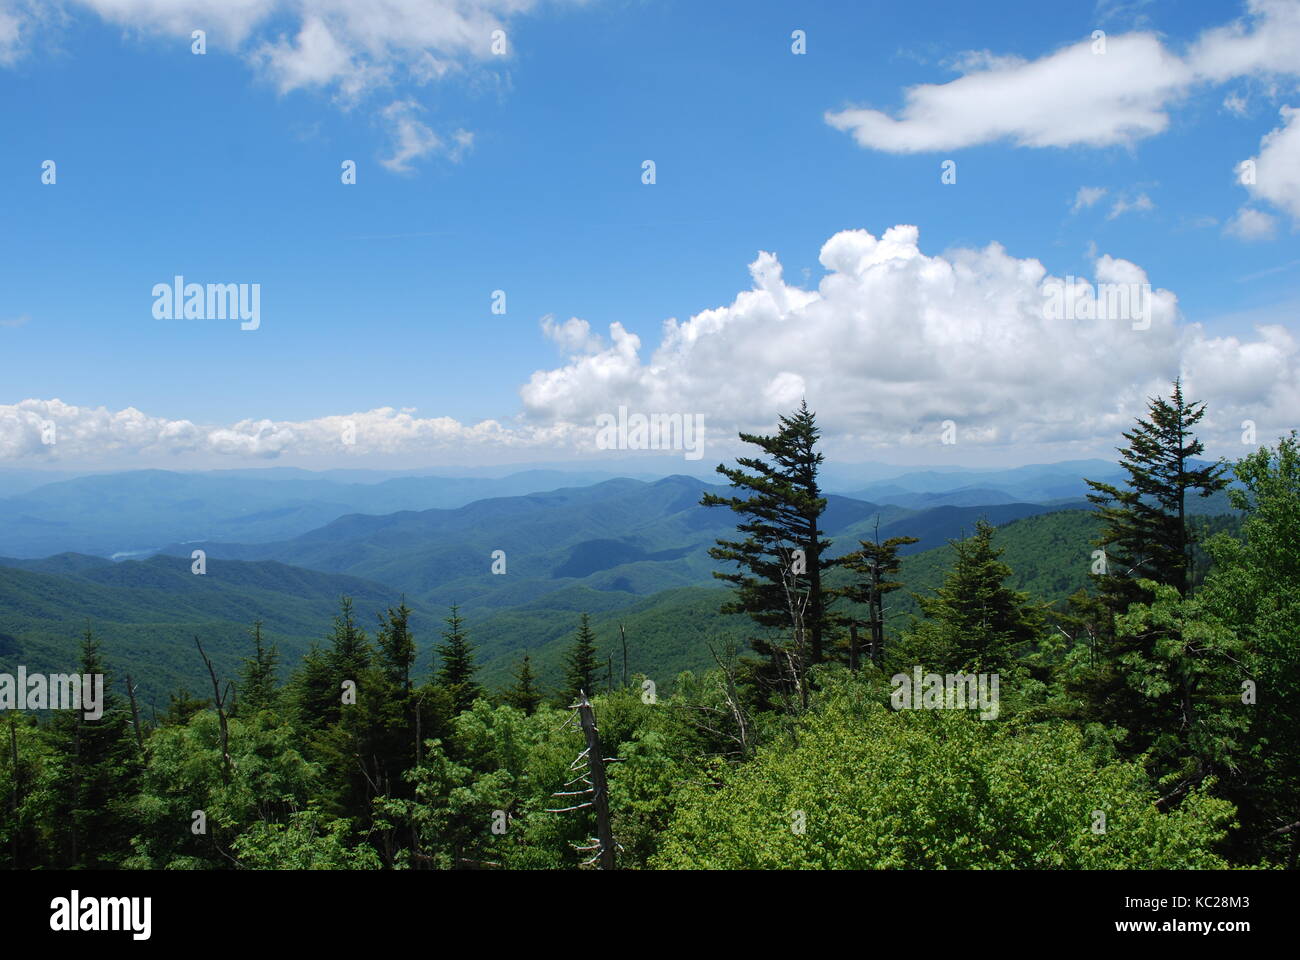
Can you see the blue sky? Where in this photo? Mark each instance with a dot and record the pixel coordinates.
(377, 295)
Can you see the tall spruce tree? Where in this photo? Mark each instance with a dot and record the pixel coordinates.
(581, 664)
(781, 561)
(456, 668)
(1145, 533)
(1148, 545)
(524, 693)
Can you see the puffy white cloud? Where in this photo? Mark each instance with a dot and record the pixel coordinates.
(1277, 168)
(893, 341)
(1266, 42)
(1078, 95)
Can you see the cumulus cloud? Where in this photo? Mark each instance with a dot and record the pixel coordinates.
(888, 344)
(893, 341)
(1277, 168)
(1079, 95)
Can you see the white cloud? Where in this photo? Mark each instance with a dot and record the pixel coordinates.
(1235, 104)
(1250, 224)
(1086, 197)
(96, 434)
(345, 48)
(1277, 168)
(1141, 203)
(1075, 96)
(344, 44)
(411, 138)
(573, 336)
(890, 342)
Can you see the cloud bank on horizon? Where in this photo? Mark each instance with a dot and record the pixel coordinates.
(890, 344)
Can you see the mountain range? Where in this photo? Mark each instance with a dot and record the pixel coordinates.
(629, 551)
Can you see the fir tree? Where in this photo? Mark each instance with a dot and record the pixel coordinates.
(396, 646)
(456, 670)
(1145, 533)
(524, 694)
(873, 564)
(581, 664)
(1148, 545)
(974, 623)
(783, 556)
(96, 782)
(257, 678)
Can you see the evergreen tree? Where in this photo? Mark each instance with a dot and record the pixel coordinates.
(1254, 590)
(100, 769)
(349, 655)
(783, 556)
(396, 646)
(873, 564)
(581, 664)
(181, 706)
(524, 693)
(1145, 533)
(974, 623)
(257, 678)
(456, 670)
(1148, 545)
(318, 686)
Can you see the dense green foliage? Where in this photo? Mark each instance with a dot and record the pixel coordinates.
(375, 751)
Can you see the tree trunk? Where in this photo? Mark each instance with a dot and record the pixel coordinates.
(600, 788)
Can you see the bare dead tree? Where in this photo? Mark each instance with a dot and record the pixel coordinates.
(590, 767)
(623, 636)
(796, 654)
(732, 697)
(135, 715)
(220, 701)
